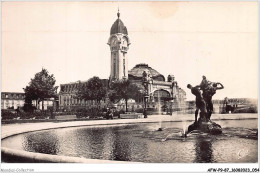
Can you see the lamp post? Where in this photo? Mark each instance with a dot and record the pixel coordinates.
(171, 101)
(145, 102)
(53, 108)
(145, 81)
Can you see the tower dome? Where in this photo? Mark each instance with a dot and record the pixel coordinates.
(118, 27)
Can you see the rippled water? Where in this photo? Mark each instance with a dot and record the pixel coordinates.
(143, 143)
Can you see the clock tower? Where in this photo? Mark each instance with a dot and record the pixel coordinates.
(119, 44)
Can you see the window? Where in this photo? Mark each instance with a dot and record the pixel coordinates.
(7, 103)
(124, 65)
(6, 96)
(114, 68)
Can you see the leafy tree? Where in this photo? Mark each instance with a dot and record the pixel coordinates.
(125, 90)
(42, 86)
(93, 89)
(30, 95)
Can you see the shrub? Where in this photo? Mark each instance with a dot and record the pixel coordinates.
(139, 110)
(122, 112)
(29, 108)
(7, 115)
(92, 113)
(117, 114)
(151, 111)
(25, 115)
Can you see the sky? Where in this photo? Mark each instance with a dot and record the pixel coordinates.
(186, 39)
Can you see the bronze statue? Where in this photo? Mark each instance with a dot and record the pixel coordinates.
(208, 94)
(200, 103)
(205, 106)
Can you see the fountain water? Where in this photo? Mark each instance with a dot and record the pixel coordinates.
(184, 125)
(159, 112)
(184, 128)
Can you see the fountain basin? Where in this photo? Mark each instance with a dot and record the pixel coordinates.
(131, 115)
(135, 142)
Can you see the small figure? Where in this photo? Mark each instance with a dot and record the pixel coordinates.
(204, 83)
(145, 113)
(147, 77)
(171, 78)
(18, 110)
(111, 115)
(200, 103)
(108, 113)
(144, 76)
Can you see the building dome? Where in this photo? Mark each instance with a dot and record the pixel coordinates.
(118, 27)
(137, 72)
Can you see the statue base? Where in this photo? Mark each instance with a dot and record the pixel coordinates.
(160, 129)
(206, 127)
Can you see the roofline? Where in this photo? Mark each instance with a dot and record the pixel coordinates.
(12, 93)
(77, 82)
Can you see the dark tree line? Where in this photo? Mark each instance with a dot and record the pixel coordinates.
(125, 90)
(94, 89)
(97, 90)
(42, 86)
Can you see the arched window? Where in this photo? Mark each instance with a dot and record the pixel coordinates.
(124, 65)
(114, 69)
(162, 94)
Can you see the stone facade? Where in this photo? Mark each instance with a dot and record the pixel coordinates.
(168, 93)
(13, 100)
(68, 100)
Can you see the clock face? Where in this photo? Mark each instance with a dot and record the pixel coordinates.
(113, 41)
(124, 42)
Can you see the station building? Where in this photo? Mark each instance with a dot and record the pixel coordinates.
(159, 89)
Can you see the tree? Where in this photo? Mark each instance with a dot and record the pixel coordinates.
(30, 95)
(93, 89)
(125, 90)
(42, 86)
